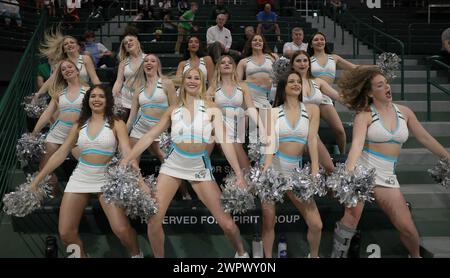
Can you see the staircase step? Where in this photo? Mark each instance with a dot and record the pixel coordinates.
(423, 196)
(435, 247)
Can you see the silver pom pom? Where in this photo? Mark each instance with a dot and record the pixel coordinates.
(119, 110)
(270, 185)
(25, 200)
(124, 191)
(165, 142)
(281, 68)
(30, 148)
(254, 152)
(321, 183)
(34, 109)
(235, 199)
(388, 64)
(354, 187)
(441, 172)
(303, 184)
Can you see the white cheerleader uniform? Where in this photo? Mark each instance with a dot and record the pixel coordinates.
(260, 95)
(60, 129)
(316, 97)
(201, 67)
(328, 70)
(378, 134)
(158, 99)
(89, 177)
(186, 165)
(233, 114)
(282, 162)
(126, 94)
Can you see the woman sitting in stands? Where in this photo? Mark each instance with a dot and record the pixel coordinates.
(379, 130)
(97, 134)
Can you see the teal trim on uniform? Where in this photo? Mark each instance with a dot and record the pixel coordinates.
(380, 155)
(82, 161)
(97, 151)
(289, 158)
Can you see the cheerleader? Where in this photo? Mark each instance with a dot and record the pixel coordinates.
(188, 159)
(379, 130)
(195, 57)
(97, 133)
(296, 127)
(131, 58)
(156, 94)
(256, 68)
(59, 47)
(232, 97)
(323, 66)
(313, 91)
(67, 93)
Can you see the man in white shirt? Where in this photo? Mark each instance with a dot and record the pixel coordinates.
(218, 39)
(297, 43)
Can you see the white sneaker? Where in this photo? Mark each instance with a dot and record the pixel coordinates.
(138, 256)
(245, 255)
(309, 257)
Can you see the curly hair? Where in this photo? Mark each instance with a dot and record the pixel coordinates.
(280, 97)
(86, 111)
(355, 86)
(200, 52)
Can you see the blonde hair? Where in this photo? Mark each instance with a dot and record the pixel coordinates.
(53, 45)
(59, 83)
(217, 78)
(123, 53)
(182, 98)
(355, 86)
(139, 78)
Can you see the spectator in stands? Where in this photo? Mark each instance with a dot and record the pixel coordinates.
(324, 66)
(44, 72)
(220, 8)
(10, 9)
(168, 25)
(61, 47)
(158, 35)
(131, 57)
(249, 32)
(445, 53)
(262, 3)
(195, 57)
(165, 4)
(186, 25)
(257, 70)
(297, 43)
(219, 40)
(380, 127)
(96, 118)
(39, 5)
(189, 160)
(99, 53)
(50, 6)
(182, 7)
(267, 22)
(71, 14)
(293, 141)
(144, 13)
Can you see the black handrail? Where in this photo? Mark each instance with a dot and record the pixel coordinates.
(434, 60)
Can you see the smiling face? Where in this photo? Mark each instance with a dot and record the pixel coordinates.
(70, 45)
(131, 43)
(318, 42)
(151, 65)
(293, 85)
(257, 42)
(226, 65)
(380, 90)
(193, 44)
(69, 70)
(97, 100)
(192, 82)
(301, 63)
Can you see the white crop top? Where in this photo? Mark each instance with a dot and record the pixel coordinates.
(224, 101)
(328, 70)
(186, 130)
(104, 143)
(252, 68)
(201, 66)
(158, 98)
(128, 69)
(378, 134)
(67, 105)
(316, 95)
(298, 133)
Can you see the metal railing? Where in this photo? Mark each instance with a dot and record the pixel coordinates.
(372, 42)
(434, 61)
(12, 115)
(435, 6)
(412, 26)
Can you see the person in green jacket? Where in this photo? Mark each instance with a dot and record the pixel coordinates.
(185, 26)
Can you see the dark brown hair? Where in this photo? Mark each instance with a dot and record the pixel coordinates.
(280, 97)
(355, 86)
(248, 51)
(86, 111)
(296, 53)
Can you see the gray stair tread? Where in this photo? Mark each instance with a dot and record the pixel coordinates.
(439, 247)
